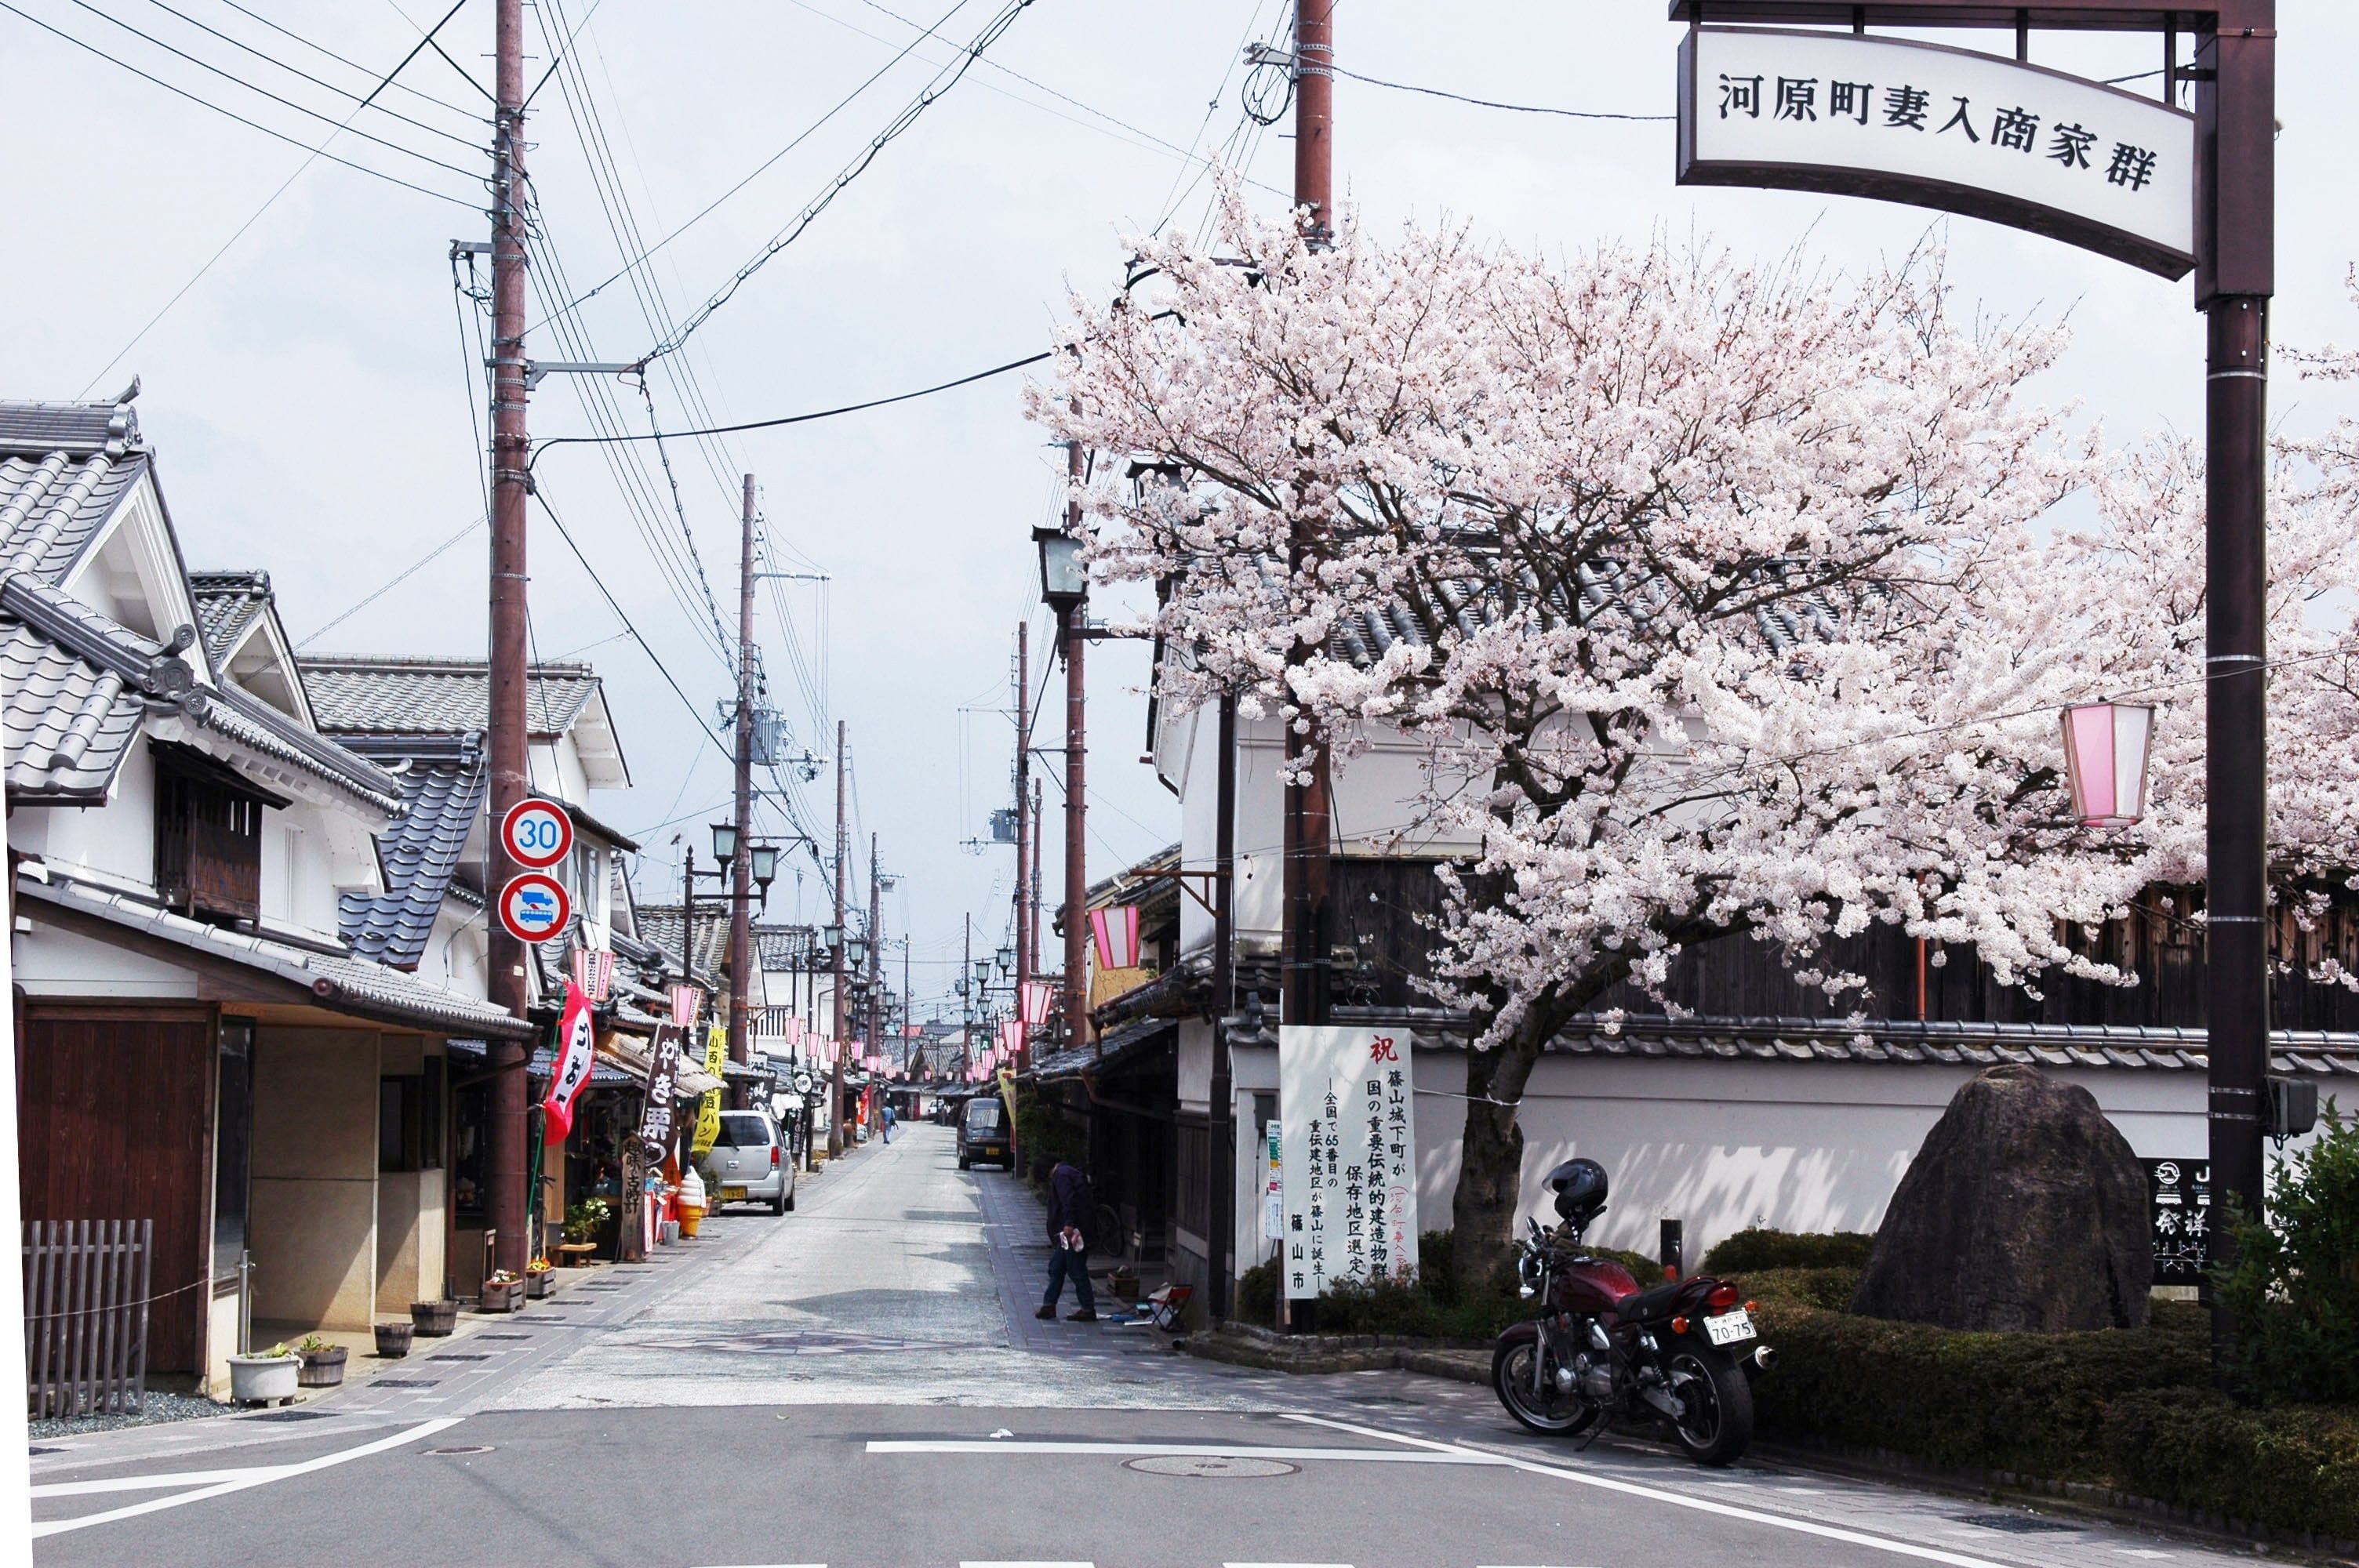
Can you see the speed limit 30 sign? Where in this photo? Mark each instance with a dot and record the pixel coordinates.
(537, 833)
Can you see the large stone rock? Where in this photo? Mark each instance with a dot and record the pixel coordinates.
(2024, 1210)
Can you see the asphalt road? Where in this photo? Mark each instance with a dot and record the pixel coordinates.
(862, 1382)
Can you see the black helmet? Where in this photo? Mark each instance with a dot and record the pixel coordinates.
(1579, 1188)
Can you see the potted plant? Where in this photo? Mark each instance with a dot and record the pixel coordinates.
(590, 1224)
(1123, 1284)
(393, 1339)
(323, 1363)
(537, 1278)
(267, 1376)
(503, 1292)
(433, 1319)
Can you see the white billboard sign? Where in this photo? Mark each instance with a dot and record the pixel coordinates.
(1346, 1108)
(1936, 126)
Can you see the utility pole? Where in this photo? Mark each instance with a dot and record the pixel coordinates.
(1074, 618)
(837, 1025)
(966, 1003)
(875, 954)
(741, 863)
(1034, 910)
(2235, 274)
(1025, 846)
(1221, 1169)
(505, 1141)
(1308, 824)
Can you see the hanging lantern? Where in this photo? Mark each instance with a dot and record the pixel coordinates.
(1038, 996)
(2105, 746)
(594, 973)
(1116, 931)
(685, 1001)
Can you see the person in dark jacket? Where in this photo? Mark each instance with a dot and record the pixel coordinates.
(1071, 1205)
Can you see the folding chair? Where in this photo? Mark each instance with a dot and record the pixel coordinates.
(1167, 1305)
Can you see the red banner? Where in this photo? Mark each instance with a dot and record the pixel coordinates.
(571, 1071)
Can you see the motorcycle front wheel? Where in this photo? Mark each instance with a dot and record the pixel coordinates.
(1715, 1419)
(1555, 1413)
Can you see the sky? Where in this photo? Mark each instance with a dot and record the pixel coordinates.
(308, 367)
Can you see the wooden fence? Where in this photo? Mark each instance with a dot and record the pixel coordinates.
(86, 1315)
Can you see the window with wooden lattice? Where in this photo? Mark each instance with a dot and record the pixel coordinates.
(208, 835)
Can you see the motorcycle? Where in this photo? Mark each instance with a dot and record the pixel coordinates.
(1683, 1353)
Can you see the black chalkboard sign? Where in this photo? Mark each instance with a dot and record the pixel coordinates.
(2178, 1204)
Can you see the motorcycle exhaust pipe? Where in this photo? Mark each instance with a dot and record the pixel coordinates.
(1763, 1359)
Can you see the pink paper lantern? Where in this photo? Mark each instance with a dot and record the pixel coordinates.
(2105, 747)
(1116, 932)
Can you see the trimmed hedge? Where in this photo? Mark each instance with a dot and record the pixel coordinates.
(1758, 1249)
(2028, 1402)
(2293, 1467)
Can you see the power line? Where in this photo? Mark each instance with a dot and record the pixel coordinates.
(236, 80)
(340, 60)
(391, 583)
(1492, 103)
(944, 80)
(541, 446)
(805, 133)
(250, 124)
(268, 58)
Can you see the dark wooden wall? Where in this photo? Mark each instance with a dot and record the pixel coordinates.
(1375, 907)
(114, 1121)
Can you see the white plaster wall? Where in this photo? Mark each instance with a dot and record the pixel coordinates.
(117, 840)
(48, 961)
(1718, 1145)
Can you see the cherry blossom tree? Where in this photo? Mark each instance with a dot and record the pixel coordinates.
(1714, 590)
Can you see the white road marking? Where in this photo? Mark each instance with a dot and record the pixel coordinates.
(1656, 1494)
(1214, 1450)
(156, 1483)
(243, 1480)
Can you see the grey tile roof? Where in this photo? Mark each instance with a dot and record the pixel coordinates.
(1935, 1043)
(659, 924)
(443, 796)
(434, 697)
(337, 981)
(81, 427)
(1120, 1045)
(66, 724)
(253, 723)
(228, 604)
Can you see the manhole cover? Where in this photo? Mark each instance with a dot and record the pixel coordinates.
(462, 1448)
(2019, 1524)
(1209, 1466)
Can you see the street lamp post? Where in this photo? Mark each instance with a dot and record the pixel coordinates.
(1065, 587)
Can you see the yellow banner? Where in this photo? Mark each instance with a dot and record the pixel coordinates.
(708, 1110)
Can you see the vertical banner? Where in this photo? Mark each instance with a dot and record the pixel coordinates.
(1347, 1109)
(663, 1070)
(708, 1110)
(1273, 1189)
(570, 1069)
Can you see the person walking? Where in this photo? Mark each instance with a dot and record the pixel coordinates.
(1072, 1203)
(888, 1121)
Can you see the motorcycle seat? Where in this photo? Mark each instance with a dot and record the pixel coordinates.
(1655, 1302)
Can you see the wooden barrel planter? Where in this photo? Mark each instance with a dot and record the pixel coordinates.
(433, 1319)
(393, 1339)
(322, 1368)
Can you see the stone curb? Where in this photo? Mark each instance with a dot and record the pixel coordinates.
(1244, 1345)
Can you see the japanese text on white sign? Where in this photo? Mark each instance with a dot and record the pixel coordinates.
(1347, 1112)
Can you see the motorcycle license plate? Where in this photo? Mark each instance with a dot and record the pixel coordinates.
(737, 1194)
(1729, 1328)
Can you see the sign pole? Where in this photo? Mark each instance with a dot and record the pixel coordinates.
(2235, 100)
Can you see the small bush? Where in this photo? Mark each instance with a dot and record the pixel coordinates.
(1258, 1294)
(1828, 1290)
(2294, 1283)
(1756, 1248)
(2289, 1469)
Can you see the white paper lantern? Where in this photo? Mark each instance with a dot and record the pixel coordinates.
(2105, 746)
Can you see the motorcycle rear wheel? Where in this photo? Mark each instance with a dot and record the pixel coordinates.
(1559, 1415)
(1717, 1404)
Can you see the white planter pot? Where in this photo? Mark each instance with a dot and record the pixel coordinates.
(262, 1377)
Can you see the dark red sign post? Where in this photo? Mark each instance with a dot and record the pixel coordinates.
(2234, 75)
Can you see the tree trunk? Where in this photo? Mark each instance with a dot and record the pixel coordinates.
(1490, 1171)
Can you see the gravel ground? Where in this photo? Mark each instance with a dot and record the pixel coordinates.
(161, 1408)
